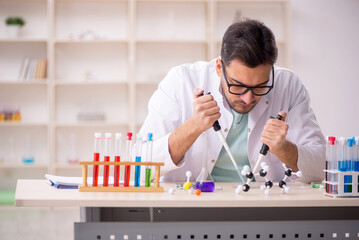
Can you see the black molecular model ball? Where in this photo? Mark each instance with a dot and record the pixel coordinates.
(282, 184)
(249, 175)
(288, 172)
(246, 187)
(269, 183)
(262, 173)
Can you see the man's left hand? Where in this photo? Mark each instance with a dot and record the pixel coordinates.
(275, 136)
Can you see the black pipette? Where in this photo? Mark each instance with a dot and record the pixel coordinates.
(217, 129)
(264, 149)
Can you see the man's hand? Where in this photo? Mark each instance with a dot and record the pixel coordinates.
(275, 136)
(205, 111)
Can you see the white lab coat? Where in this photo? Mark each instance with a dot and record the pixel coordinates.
(171, 105)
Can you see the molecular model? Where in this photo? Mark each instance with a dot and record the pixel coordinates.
(186, 186)
(268, 183)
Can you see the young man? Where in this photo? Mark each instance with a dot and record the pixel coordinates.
(245, 90)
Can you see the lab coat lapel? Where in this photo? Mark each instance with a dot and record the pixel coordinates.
(225, 109)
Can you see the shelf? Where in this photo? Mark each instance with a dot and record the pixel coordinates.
(147, 83)
(27, 83)
(84, 1)
(22, 124)
(22, 1)
(34, 12)
(62, 83)
(103, 61)
(171, 20)
(90, 124)
(253, 1)
(100, 41)
(91, 19)
(150, 69)
(23, 40)
(171, 40)
(108, 57)
(172, 1)
(278, 42)
(19, 165)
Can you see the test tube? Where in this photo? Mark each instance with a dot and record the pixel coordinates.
(330, 164)
(149, 159)
(126, 181)
(341, 154)
(138, 159)
(106, 169)
(356, 156)
(349, 154)
(116, 175)
(96, 158)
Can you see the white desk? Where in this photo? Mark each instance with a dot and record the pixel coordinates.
(208, 216)
(39, 193)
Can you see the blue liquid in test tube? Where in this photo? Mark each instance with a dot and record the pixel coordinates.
(356, 155)
(349, 154)
(342, 154)
(138, 159)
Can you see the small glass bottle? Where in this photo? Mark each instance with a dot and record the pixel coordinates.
(204, 181)
(28, 157)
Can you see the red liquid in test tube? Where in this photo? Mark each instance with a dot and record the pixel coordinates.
(96, 158)
(106, 169)
(128, 159)
(117, 159)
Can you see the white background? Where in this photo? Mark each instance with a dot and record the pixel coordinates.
(325, 51)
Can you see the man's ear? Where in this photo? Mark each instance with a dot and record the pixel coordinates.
(219, 67)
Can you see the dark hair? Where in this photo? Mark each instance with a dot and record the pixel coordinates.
(250, 42)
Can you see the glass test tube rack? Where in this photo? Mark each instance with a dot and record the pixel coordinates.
(342, 167)
(86, 188)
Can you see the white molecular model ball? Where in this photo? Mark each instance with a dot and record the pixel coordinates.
(266, 192)
(239, 189)
(171, 191)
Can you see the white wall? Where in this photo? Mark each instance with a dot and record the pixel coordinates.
(325, 52)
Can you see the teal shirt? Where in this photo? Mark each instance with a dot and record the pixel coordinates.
(223, 170)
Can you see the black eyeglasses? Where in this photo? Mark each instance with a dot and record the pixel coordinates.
(240, 89)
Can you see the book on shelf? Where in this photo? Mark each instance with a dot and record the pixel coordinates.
(33, 69)
(23, 69)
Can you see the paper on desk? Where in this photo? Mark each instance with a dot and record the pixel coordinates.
(74, 181)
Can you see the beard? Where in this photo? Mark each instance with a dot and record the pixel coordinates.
(241, 107)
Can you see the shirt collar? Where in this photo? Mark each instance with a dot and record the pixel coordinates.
(237, 117)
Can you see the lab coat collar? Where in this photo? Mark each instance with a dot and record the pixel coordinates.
(222, 101)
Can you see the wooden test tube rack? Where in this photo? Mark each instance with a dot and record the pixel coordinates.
(156, 188)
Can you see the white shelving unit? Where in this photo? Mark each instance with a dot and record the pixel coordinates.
(113, 71)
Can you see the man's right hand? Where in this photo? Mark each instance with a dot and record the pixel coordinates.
(205, 111)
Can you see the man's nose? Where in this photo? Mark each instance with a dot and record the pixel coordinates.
(248, 97)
